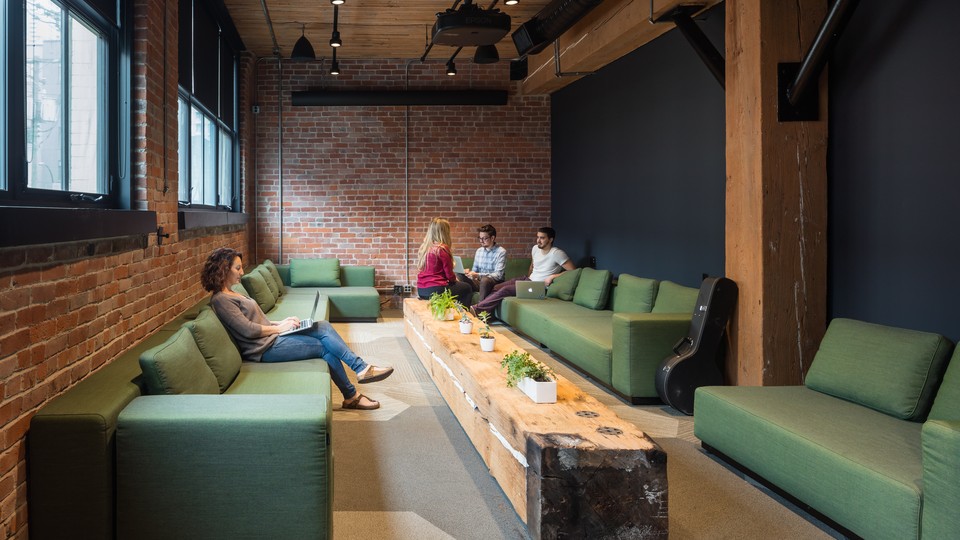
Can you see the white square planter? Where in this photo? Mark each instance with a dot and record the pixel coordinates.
(539, 392)
(466, 327)
(486, 344)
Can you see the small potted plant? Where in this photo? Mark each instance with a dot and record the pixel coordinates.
(466, 325)
(486, 336)
(442, 305)
(535, 379)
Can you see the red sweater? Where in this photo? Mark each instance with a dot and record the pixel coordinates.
(437, 268)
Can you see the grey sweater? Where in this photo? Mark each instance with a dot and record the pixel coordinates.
(242, 317)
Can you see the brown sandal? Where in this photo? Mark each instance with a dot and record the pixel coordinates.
(355, 403)
(374, 374)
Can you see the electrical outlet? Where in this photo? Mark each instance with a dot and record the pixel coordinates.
(398, 289)
(407, 289)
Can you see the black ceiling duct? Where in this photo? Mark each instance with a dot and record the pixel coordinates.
(553, 20)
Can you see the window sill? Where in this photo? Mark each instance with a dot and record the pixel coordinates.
(199, 219)
(27, 226)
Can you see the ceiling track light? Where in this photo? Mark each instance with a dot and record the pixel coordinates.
(340, 2)
(506, 2)
(451, 68)
(334, 65)
(335, 40)
(302, 49)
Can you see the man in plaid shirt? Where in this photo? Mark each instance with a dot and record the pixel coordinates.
(489, 262)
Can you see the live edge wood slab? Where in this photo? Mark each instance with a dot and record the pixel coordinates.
(571, 468)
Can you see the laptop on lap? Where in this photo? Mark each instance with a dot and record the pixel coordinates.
(305, 324)
(458, 265)
(536, 290)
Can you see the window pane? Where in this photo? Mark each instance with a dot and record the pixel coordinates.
(226, 169)
(183, 121)
(3, 97)
(86, 165)
(209, 161)
(196, 157)
(44, 95)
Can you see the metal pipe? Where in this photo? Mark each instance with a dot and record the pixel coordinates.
(701, 44)
(280, 152)
(819, 52)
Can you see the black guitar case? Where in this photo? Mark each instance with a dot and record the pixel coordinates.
(698, 358)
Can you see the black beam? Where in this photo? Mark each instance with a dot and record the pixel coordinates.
(399, 97)
(819, 52)
(701, 44)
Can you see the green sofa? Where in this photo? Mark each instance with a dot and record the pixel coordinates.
(242, 449)
(516, 268)
(349, 290)
(618, 334)
(871, 441)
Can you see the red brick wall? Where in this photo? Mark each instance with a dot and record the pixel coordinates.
(68, 309)
(362, 183)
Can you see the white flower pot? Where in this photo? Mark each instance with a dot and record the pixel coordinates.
(539, 392)
(451, 314)
(486, 344)
(466, 326)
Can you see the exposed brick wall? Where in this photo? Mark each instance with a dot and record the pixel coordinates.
(362, 183)
(68, 309)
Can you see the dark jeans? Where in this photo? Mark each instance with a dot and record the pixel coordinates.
(461, 290)
(501, 291)
(484, 285)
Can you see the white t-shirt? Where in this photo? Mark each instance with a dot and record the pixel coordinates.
(547, 264)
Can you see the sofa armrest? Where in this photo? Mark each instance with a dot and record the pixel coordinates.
(641, 341)
(940, 442)
(357, 276)
(224, 466)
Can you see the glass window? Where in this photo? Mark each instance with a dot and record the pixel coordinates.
(209, 196)
(225, 164)
(3, 96)
(183, 120)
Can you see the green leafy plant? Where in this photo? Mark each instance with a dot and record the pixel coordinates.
(485, 331)
(440, 302)
(519, 365)
(464, 318)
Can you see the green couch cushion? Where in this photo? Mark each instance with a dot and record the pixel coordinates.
(674, 298)
(891, 370)
(217, 348)
(593, 289)
(357, 276)
(315, 273)
(564, 285)
(634, 294)
(275, 274)
(176, 366)
(268, 279)
(946, 406)
(257, 287)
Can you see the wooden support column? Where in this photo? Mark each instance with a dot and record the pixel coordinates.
(776, 199)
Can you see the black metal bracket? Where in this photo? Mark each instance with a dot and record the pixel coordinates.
(556, 64)
(796, 100)
(161, 236)
(681, 16)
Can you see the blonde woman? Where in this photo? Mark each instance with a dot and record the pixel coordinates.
(435, 264)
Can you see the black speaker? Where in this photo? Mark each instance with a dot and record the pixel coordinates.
(518, 69)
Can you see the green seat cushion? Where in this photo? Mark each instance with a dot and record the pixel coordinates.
(634, 294)
(593, 289)
(673, 298)
(315, 272)
(268, 279)
(891, 370)
(275, 274)
(177, 366)
(257, 287)
(564, 285)
(946, 406)
(357, 276)
(218, 349)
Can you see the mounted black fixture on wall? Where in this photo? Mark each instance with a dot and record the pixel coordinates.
(322, 98)
(681, 17)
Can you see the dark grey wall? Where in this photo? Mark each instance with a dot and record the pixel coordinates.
(638, 162)
(894, 167)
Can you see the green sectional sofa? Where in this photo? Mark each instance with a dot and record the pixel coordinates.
(349, 290)
(618, 334)
(177, 438)
(871, 441)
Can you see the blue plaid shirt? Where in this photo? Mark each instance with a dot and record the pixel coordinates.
(490, 261)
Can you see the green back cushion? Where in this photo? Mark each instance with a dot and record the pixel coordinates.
(563, 286)
(891, 370)
(275, 274)
(673, 298)
(315, 273)
(593, 289)
(216, 347)
(946, 406)
(257, 287)
(635, 294)
(176, 366)
(268, 279)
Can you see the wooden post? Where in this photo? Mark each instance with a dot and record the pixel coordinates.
(776, 200)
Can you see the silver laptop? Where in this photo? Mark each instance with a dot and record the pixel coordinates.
(531, 289)
(305, 324)
(458, 265)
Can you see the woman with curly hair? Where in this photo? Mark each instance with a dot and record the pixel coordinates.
(435, 264)
(258, 338)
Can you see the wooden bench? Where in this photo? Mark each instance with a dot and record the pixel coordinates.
(572, 467)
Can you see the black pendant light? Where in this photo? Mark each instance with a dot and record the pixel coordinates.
(302, 49)
(335, 40)
(486, 54)
(334, 65)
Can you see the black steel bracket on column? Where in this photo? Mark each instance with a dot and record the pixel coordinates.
(681, 16)
(798, 99)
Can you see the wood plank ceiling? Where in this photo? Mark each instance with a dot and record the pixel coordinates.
(392, 29)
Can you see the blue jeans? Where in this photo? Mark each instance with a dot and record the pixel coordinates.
(321, 341)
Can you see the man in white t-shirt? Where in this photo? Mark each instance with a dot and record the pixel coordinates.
(546, 263)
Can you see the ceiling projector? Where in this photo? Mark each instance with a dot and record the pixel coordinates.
(470, 26)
